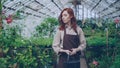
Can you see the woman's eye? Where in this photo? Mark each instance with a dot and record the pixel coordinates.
(65, 15)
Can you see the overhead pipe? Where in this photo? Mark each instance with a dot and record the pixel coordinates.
(96, 5)
(108, 6)
(42, 6)
(116, 16)
(19, 11)
(56, 4)
(111, 5)
(39, 3)
(111, 13)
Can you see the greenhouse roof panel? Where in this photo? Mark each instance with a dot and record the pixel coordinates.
(53, 7)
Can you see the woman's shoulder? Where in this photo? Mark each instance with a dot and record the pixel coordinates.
(79, 28)
(58, 30)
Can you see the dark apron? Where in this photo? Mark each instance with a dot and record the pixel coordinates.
(69, 42)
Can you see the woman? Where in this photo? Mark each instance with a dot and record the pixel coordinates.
(69, 39)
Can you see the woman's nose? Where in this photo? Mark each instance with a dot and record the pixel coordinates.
(63, 18)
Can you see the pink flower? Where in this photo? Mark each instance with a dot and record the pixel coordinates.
(95, 63)
(116, 21)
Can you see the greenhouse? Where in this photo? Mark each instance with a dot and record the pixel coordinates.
(28, 31)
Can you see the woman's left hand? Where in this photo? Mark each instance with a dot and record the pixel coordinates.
(73, 51)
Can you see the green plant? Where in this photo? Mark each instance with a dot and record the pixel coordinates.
(3, 63)
(116, 63)
(25, 59)
(46, 28)
(43, 42)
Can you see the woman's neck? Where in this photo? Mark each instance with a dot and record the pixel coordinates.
(68, 24)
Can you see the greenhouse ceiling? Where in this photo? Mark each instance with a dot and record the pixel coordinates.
(44, 8)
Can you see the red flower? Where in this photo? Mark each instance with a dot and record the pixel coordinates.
(95, 63)
(9, 19)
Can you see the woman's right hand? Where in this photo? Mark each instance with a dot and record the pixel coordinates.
(66, 51)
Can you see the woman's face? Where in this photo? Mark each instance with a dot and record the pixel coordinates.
(66, 17)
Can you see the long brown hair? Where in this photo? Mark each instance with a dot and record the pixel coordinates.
(73, 19)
